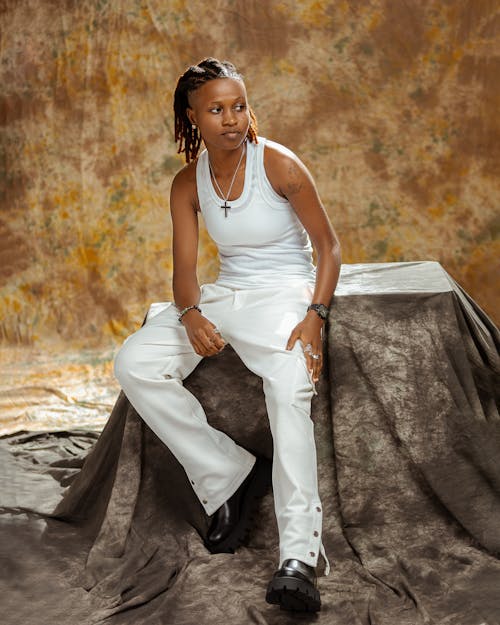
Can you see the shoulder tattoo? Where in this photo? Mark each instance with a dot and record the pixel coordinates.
(294, 179)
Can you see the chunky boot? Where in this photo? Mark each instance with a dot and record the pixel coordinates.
(231, 523)
(294, 587)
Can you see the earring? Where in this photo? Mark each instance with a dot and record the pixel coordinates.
(193, 126)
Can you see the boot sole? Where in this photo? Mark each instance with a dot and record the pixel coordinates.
(293, 594)
(257, 488)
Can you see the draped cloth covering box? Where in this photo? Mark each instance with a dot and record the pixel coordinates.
(107, 528)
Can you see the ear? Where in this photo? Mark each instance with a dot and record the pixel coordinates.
(190, 115)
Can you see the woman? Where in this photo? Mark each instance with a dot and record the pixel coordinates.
(269, 302)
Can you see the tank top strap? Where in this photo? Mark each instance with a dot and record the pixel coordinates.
(265, 187)
(202, 179)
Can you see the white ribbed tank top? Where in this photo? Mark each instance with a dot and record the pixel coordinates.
(261, 242)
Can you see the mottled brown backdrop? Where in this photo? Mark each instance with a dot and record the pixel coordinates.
(392, 104)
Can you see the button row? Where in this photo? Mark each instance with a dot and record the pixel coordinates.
(315, 533)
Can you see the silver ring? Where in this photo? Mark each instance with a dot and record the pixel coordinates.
(308, 348)
(315, 356)
(216, 331)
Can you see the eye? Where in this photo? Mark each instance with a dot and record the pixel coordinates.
(215, 109)
(240, 107)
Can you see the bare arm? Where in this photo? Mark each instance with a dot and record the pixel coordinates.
(185, 284)
(184, 242)
(291, 179)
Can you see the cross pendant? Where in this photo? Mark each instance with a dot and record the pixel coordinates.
(225, 206)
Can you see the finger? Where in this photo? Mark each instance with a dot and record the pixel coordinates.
(205, 341)
(308, 351)
(212, 349)
(200, 348)
(217, 346)
(293, 339)
(318, 363)
(217, 343)
(309, 362)
(217, 339)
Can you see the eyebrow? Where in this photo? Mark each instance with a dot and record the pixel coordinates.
(234, 100)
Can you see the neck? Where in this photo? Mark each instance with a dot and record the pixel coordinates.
(224, 162)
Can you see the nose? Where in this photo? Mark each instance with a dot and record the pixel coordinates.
(228, 118)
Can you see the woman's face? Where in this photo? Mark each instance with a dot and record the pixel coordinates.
(220, 110)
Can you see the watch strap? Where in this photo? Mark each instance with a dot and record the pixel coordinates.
(320, 309)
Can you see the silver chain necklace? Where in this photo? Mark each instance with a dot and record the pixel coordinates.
(225, 206)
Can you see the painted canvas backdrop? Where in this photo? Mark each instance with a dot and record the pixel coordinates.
(392, 105)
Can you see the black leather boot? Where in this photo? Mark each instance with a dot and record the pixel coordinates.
(231, 523)
(294, 587)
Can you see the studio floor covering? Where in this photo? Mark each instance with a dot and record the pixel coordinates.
(103, 527)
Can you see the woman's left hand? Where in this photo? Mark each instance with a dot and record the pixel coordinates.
(309, 332)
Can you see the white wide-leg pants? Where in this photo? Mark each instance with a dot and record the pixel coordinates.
(152, 363)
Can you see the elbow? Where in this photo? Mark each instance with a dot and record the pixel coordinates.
(338, 252)
(331, 251)
(336, 249)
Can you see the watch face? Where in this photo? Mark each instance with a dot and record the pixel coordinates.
(321, 309)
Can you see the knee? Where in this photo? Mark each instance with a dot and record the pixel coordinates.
(121, 364)
(137, 361)
(126, 364)
(291, 391)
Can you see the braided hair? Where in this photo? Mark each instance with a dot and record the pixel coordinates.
(194, 77)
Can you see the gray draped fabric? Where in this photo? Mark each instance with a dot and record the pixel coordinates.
(106, 529)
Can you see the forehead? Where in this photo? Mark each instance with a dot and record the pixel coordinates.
(218, 90)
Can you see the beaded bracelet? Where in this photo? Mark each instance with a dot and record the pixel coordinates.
(185, 310)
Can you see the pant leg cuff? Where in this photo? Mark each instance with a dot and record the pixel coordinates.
(308, 559)
(216, 501)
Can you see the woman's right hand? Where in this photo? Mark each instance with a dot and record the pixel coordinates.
(202, 333)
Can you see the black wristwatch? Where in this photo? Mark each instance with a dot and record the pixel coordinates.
(320, 309)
